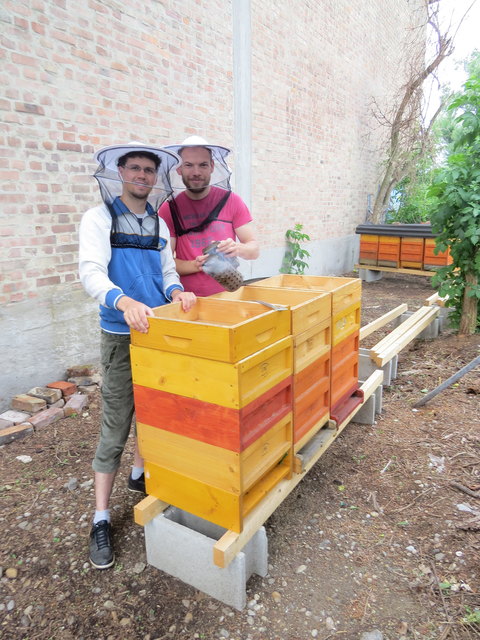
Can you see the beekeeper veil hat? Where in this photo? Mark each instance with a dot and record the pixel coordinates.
(108, 176)
(221, 171)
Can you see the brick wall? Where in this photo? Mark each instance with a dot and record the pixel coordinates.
(77, 76)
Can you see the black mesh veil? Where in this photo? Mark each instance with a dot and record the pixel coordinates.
(219, 179)
(221, 172)
(111, 183)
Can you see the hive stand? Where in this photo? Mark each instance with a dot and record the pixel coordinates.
(181, 544)
(219, 562)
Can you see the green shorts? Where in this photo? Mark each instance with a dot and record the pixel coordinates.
(117, 401)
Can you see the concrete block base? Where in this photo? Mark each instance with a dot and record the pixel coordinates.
(366, 415)
(366, 366)
(369, 275)
(181, 545)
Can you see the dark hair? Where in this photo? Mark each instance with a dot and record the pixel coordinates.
(121, 162)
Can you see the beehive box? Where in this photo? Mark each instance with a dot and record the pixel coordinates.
(311, 400)
(346, 294)
(432, 261)
(345, 311)
(311, 329)
(368, 249)
(344, 371)
(224, 330)
(212, 482)
(389, 251)
(307, 309)
(411, 252)
(215, 433)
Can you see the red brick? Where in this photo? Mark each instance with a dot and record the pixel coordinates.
(75, 404)
(67, 388)
(44, 418)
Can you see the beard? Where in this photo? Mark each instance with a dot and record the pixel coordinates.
(198, 188)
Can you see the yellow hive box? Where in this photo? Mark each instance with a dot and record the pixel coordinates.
(224, 383)
(310, 345)
(216, 503)
(307, 309)
(223, 330)
(231, 471)
(346, 295)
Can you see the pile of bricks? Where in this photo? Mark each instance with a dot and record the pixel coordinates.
(41, 406)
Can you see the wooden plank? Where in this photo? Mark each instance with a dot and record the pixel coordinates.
(227, 547)
(435, 298)
(382, 321)
(147, 509)
(392, 349)
(415, 272)
(399, 331)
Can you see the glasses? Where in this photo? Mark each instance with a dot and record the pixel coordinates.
(135, 168)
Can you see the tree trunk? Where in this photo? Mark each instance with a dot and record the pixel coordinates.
(468, 321)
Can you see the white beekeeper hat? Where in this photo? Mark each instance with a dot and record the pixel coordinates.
(109, 178)
(221, 173)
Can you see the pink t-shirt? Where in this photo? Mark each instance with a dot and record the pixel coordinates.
(234, 214)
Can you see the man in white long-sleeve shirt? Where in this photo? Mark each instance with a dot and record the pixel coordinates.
(126, 264)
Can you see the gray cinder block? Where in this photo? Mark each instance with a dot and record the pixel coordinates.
(181, 545)
(370, 275)
(366, 366)
(366, 415)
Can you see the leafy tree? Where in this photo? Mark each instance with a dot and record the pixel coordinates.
(457, 217)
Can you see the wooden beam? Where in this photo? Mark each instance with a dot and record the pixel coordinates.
(435, 298)
(400, 330)
(414, 272)
(147, 509)
(394, 347)
(382, 321)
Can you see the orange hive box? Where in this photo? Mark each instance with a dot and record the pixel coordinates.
(389, 251)
(310, 315)
(215, 431)
(411, 253)
(368, 249)
(432, 261)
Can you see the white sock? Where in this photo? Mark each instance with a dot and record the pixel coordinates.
(136, 472)
(101, 515)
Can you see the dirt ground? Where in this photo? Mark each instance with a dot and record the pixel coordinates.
(379, 541)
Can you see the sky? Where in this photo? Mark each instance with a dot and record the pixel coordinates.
(466, 40)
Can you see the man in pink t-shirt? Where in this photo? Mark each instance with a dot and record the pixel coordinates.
(206, 210)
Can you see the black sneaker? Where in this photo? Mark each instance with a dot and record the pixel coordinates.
(137, 485)
(101, 548)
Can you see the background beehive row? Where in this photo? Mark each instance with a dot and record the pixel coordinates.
(402, 252)
(228, 392)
